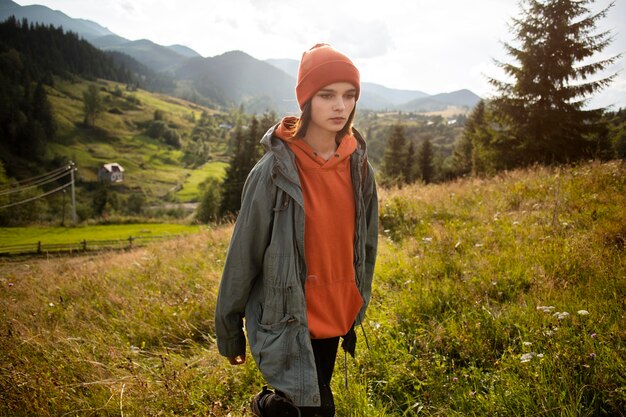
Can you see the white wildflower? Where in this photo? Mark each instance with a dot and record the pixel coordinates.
(583, 312)
(526, 357)
(527, 344)
(561, 315)
(545, 309)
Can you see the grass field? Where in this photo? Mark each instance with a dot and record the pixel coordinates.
(191, 187)
(492, 297)
(50, 235)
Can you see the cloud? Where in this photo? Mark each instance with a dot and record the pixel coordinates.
(127, 6)
(362, 40)
(231, 22)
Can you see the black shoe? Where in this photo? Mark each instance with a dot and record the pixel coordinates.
(270, 404)
(256, 401)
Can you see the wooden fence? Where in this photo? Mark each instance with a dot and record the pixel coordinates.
(42, 248)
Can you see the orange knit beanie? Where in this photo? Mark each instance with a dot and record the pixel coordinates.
(323, 65)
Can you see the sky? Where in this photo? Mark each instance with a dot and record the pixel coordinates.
(435, 46)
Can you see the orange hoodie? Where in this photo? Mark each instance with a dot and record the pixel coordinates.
(332, 297)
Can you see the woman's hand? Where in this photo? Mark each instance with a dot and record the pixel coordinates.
(237, 360)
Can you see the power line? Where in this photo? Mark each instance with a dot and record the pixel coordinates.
(27, 180)
(49, 177)
(35, 184)
(38, 196)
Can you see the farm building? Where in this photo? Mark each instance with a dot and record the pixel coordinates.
(112, 172)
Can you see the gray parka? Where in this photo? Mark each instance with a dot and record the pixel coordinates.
(265, 269)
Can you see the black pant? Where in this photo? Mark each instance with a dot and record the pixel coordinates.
(325, 352)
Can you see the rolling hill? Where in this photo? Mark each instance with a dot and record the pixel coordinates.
(437, 102)
(236, 77)
(156, 57)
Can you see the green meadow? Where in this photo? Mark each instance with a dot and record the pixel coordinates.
(54, 235)
(192, 186)
(492, 297)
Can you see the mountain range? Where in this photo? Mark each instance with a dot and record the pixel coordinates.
(231, 78)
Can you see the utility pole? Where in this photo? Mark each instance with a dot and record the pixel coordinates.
(72, 169)
(63, 221)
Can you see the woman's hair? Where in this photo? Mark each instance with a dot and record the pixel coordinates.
(302, 125)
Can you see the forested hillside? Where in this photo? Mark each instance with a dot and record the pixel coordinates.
(31, 56)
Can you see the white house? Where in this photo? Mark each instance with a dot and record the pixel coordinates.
(112, 172)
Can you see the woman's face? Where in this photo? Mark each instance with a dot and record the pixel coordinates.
(331, 106)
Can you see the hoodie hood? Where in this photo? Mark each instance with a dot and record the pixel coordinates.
(285, 160)
(308, 156)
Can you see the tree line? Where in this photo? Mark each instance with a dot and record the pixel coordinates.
(223, 200)
(542, 114)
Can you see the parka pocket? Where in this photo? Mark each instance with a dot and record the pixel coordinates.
(276, 346)
(278, 286)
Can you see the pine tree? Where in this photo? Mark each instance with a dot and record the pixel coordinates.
(425, 161)
(480, 150)
(233, 182)
(394, 157)
(246, 152)
(92, 105)
(409, 164)
(251, 151)
(268, 120)
(462, 156)
(617, 133)
(209, 207)
(543, 108)
(42, 111)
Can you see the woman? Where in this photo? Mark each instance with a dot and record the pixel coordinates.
(300, 263)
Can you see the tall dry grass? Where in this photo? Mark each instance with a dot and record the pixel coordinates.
(124, 333)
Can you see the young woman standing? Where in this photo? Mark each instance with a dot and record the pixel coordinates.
(301, 260)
